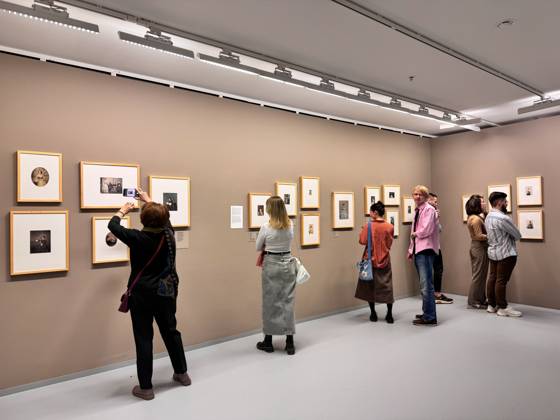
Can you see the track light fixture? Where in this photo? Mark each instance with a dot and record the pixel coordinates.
(282, 75)
(228, 60)
(155, 40)
(539, 105)
(47, 11)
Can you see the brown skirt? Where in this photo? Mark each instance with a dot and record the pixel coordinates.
(380, 290)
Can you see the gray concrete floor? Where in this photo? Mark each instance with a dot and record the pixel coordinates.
(472, 366)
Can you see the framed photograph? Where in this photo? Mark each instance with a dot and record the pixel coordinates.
(391, 195)
(505, 188)
(408, 207)
(343, 210)
(38, 242)
(464, 200)
(309, 192)
(529, 191)
(310, 229)
(372, 194)
(104, 185)
(530, 223)
(392, 216)
(288, 192)
(175, 193)
(257, 209)
(105, 247)
(39, 177)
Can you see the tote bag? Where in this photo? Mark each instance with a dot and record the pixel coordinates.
(365, 267)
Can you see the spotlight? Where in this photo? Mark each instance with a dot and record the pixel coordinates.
(227, 60)
(47, 11)
(539, 105)
(154, 40)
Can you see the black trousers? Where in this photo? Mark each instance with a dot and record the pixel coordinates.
(438, 272)
(143, 309)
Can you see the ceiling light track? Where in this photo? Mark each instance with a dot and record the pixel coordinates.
(539, 106)
(155, 40)
(370, 14)
(47, 11)
(231, 49)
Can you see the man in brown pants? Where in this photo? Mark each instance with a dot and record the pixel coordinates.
(502, 235)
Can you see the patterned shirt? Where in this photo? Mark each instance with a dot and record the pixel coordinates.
(502, 234)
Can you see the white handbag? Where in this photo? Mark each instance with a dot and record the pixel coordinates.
(302, 275)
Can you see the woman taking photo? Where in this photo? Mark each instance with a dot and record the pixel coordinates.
(154, 290)
(380, 290)
(475, 208)
(278, 276)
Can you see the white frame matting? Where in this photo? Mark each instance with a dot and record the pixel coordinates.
(90, 188)
(158, 185)
(101, 252)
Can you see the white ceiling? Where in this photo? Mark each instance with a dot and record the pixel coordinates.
(327, 37)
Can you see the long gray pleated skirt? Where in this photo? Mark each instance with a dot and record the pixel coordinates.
(278, 293)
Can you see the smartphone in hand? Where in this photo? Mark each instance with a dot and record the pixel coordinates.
(130, 192)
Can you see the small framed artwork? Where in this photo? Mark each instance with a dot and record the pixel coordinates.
(38, 242)
(288, 192)
(175, 193)
(464, 200)
(309, 192)
(257, 209)
(372, 194)
(107, 185)
(529, 191)
(391, 195)
(392, 216)
(343, 210)
(505, 188)
(39, 177)
(530, 224)
(408, 207)
(105, 247)
(310, 231)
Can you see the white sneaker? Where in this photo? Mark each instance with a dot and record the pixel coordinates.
(509, 311)
(491, 309)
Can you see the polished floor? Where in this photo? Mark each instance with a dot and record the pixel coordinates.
(472, 366)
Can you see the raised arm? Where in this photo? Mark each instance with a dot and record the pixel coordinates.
(127, 236)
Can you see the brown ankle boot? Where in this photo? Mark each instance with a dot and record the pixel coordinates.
(145, 394)
(182, 378)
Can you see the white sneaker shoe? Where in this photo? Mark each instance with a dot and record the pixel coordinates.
(509, 311)
(491, 309)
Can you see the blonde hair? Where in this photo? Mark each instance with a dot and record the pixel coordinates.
(422, 189)
(276, 209)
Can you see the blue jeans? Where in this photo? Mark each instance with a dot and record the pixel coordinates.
(424, 266)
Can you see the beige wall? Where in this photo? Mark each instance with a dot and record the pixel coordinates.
(468, 163)
(61, 323)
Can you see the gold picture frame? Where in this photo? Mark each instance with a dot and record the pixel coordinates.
(311, 185)
(506, 188)
(371, 191)
(28, 188)
(531, 224)
(407, 217)
(393, 213)
(530, 191)
(343, 214)
(89, 198)
(39, 243)
(305, 235)
(287, 191)
(257, 209)
(181, 216)
(391, 195)
(95, 258)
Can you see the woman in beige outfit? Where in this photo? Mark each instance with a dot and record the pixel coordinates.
(475, 208)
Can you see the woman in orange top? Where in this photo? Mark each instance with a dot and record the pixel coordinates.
(380, 290)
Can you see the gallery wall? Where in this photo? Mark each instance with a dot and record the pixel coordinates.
(60, 323)
(467, 164)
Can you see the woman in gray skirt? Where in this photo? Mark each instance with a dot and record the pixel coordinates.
(278, 276)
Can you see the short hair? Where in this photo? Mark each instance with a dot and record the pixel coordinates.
(496, 196)
(379, 207)
(432, 194)
(422, 189)
(474, 205)
(154, 215)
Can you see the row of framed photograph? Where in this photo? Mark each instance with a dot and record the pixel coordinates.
(39, 242)
(102, 185)
(529, 194)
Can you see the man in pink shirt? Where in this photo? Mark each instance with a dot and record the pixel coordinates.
(424, 245)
